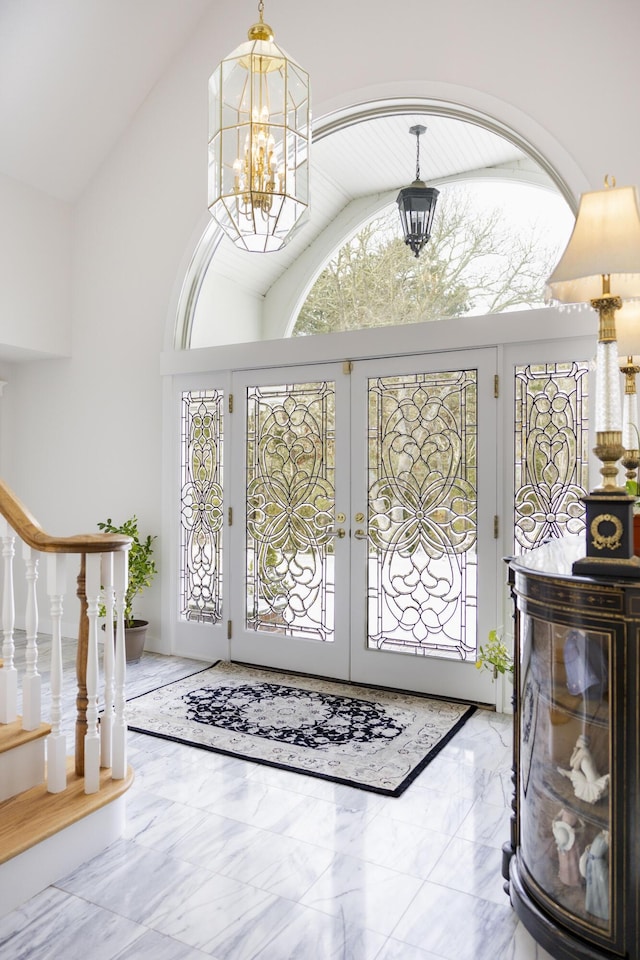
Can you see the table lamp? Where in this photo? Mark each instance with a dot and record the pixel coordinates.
(601, 266)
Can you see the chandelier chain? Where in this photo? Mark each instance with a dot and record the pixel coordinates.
(417, 155)
(261, 9)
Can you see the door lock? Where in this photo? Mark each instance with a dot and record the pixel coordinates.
(359, 517)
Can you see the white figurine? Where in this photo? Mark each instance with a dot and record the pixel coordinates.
(594, 867)
(588, 785)
(564, 829)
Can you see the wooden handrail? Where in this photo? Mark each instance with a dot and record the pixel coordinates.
(29, 530)
(24, 524)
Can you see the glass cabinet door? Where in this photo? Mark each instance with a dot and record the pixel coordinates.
(565, 768)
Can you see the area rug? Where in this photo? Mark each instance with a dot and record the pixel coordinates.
(368, 738)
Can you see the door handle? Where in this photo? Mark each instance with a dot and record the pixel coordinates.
(360, 535)
(340, 532)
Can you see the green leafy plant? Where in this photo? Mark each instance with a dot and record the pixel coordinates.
(495, 656)
(142, 567)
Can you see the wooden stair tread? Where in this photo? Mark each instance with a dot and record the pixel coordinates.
(35, 815)
(12, 735)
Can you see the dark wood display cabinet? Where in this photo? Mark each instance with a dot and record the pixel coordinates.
(573, 861)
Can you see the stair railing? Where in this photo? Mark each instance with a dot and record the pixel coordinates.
(102, 578)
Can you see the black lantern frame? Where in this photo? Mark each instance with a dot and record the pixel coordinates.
(417, 204)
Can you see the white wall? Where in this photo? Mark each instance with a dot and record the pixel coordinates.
(35, 272)
(84, 438)
(236, 314)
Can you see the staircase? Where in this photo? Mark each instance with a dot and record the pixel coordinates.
(58, 810)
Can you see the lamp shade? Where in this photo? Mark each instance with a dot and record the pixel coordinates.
(628, 329)
(605, 240)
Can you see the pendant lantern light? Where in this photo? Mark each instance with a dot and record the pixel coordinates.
(417, 204)
(259, 141)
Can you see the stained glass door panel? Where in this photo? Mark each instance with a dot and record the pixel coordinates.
(201, 506)
(425, 490)
(202, 546)
(551, 430)
(294, 465)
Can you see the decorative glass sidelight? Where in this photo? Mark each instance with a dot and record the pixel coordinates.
(422, 508)
(551, 451)
(290, 509)
(202, 516)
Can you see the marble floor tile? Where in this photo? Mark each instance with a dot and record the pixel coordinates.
(436, 810)
(484, 741)
(157, 822)
(231, 860)
(354, 888)
(155, 946)
(471, 868)
(461, 778)
(399, 846)
(277, 864)
(397, 950)
(328, 824)
(257, 804)
(134, 881)
(486, 823)
(53, 924)
(456, 926)
(311, 935)
(222, 917)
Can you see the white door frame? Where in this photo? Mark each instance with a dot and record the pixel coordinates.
(532, 332)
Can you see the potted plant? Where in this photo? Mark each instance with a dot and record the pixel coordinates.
(142, 570)
(495, 657)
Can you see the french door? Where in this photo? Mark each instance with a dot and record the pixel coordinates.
(363, 499)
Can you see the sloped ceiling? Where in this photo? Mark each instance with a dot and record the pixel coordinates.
(73, 74)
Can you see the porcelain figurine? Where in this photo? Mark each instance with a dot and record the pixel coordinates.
(588, 784)
(564, 829)
(594, 867)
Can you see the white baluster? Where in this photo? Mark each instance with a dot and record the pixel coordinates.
(106, 721)
(31, 682)
(56, 741)
(8, 673)
(92, 736)
(120, 580)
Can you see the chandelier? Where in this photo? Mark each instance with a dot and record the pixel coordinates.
(417, 204)
(259, 140)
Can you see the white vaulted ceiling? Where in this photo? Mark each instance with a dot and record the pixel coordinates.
(74, 73)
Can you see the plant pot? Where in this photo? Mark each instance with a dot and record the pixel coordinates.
(134, 638)
(504, 692)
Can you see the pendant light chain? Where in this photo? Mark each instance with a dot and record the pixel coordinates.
(417, 155)
(261, 10)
